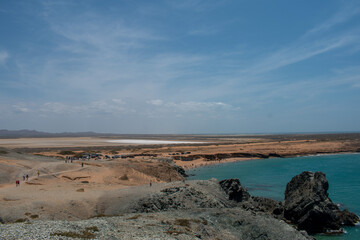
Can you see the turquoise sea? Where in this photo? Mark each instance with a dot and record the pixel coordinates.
(268, 178)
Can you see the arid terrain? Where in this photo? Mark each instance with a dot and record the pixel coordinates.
(84, 187)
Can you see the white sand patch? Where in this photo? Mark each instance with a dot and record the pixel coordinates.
(143, 141)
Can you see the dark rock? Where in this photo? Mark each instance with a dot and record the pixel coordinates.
(180, 170)
(308, 206)
(348, 218)
(266, 205)
(275, 155)
(234, 190)
(199, 194)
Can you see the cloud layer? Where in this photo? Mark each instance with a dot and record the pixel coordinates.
(170, 67)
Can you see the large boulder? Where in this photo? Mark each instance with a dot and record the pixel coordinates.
(234, 190)
(308, 206)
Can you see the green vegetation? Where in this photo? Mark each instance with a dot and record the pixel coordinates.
(66, 152)
(39, 154)
(20, 220)
(3, 152)
(187, 222)
(124, 177)
(79, 154)
(84, 234)
(34, 216)
(182, 222)
(92, 228)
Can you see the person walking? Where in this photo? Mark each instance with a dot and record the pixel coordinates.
(38, 173)
(150, 183)
(17, 183)
(27, 177)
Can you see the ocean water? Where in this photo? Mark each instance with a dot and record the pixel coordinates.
(268, 178)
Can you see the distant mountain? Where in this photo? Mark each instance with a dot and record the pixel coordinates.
(33, 133)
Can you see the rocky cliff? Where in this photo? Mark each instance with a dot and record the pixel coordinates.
(307, 204)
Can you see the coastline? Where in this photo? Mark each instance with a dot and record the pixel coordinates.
(202, 163)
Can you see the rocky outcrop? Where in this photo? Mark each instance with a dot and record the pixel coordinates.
(234, 190)
(266, 205)
(192, 195)
(220, 156)
(180, 170)
(308, 206)
(209, 209)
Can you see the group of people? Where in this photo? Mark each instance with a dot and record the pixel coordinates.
(68, 160)
(25, 178)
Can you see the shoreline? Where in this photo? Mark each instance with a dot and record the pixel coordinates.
(211, 163)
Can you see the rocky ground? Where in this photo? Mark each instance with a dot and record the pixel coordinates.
(198, 210)
(221, 223)
(177, 210)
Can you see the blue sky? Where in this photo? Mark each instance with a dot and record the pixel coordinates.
(214, 66)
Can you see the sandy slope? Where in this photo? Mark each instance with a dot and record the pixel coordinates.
(67, 190)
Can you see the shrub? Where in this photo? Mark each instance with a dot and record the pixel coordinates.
(124, 177)
(84, 234)
(65, 152)
(182, 222)
(20, 220)
(79, 154)
(92, 228)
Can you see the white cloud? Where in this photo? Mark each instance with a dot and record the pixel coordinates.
(4, 56)
(340, 17)
(190, 106)
(156, 102)
(301, 51)
(21, 108)
(115, 106)
(118, 101)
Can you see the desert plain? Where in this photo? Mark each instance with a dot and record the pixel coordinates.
(64, 186)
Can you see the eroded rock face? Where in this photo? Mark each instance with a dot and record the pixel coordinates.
(308, 206)
(266, 205)
(234, 190)
(180, 170)
(196, 194)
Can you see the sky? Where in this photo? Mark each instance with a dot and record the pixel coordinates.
(172, 67)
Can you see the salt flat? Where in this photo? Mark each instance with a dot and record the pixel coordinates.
(144, 141)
